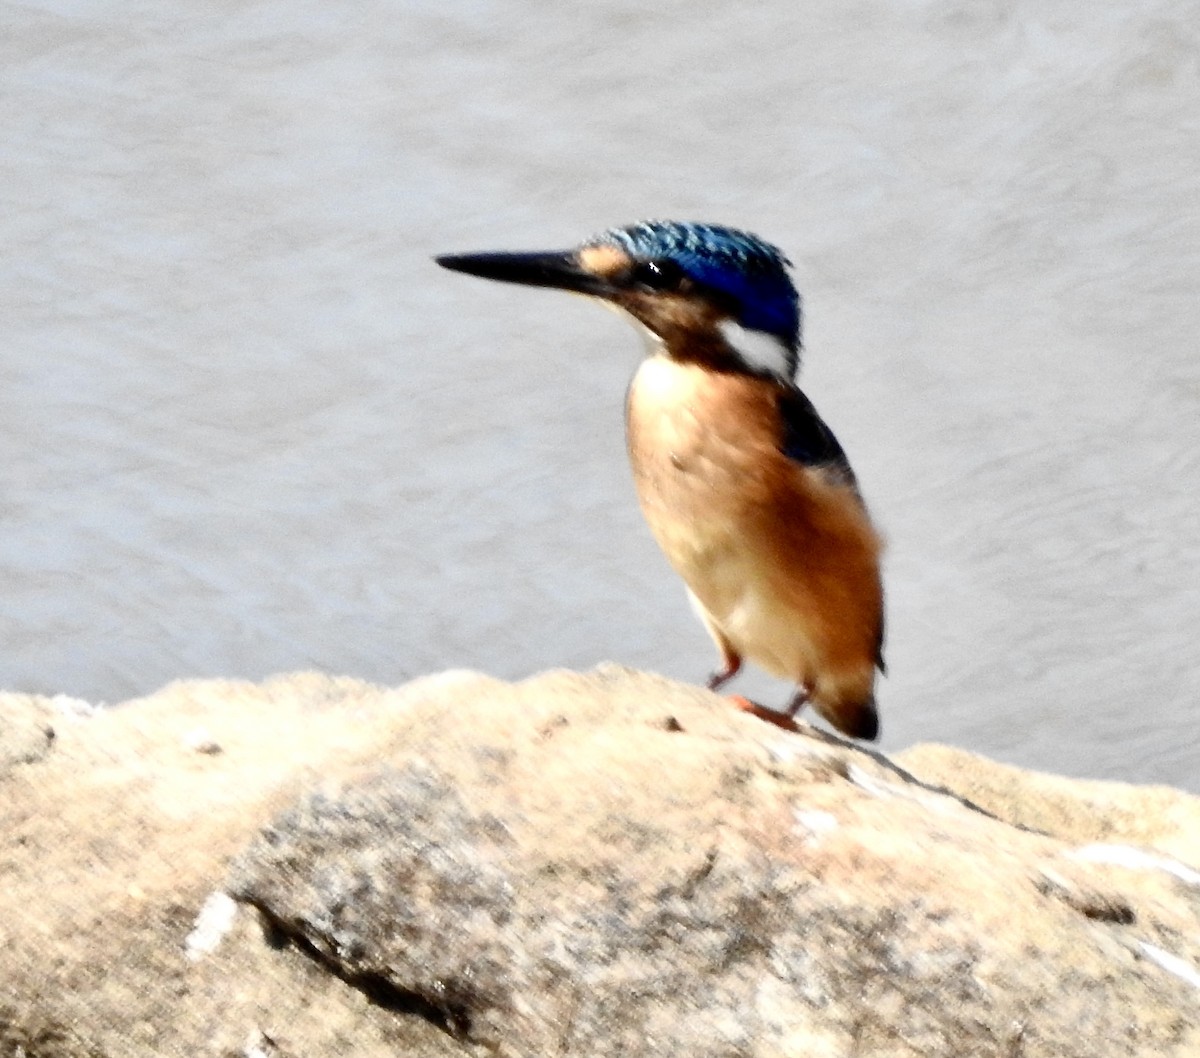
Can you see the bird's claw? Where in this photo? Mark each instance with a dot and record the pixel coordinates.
(783, 720)
(730, 668)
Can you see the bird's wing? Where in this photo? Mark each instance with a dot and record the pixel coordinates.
(808, 441)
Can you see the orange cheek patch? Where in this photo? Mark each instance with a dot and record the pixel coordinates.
(604, 260)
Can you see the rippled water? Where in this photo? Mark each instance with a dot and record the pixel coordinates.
(247, 426)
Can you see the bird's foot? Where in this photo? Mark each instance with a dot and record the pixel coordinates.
(799, 700)
(731, 665)
(783, 720)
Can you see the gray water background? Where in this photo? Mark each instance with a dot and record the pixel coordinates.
(246, 426)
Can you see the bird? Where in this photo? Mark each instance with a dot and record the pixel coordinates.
(745, 488)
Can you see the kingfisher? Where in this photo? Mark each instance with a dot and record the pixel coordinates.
(746, 490)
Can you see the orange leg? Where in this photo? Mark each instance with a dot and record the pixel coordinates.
(799, 700)
(771, 716)
(786, 719)
(731, 665)
(731, 660)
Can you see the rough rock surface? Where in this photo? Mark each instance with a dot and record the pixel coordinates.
(609, 864)
(26, 731)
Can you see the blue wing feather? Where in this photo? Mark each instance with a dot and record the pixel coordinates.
(807, 439)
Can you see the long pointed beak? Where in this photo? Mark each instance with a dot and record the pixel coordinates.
(559, 270)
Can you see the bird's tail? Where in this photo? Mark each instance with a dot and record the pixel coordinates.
(852, 715)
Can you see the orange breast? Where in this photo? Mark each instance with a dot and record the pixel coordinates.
(782, 557)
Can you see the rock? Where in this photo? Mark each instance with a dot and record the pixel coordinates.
(602, 864)
(26, 731)
(116, 843)
(1072, 809)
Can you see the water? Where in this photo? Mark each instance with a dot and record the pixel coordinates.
(247, 427)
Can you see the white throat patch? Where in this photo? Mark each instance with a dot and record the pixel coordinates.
(761, 351)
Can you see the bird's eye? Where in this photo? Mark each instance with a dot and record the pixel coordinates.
(662, 274)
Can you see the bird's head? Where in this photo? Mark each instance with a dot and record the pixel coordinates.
(703, 291)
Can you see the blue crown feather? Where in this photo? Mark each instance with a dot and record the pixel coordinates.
(742, 266)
